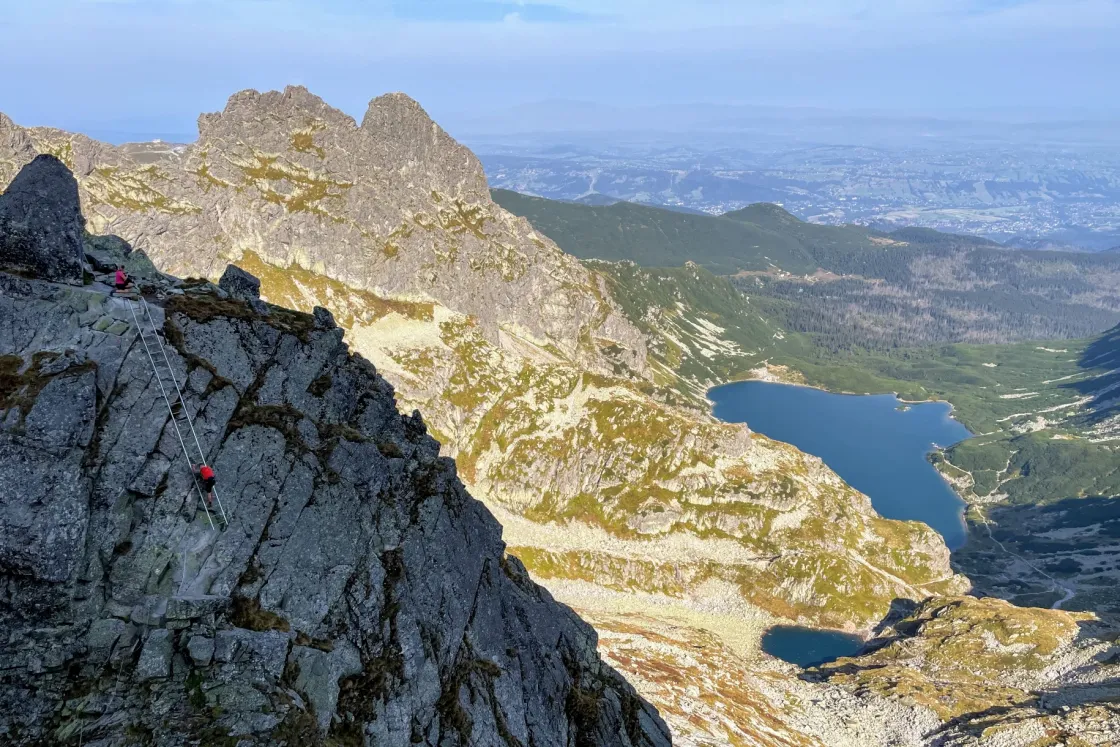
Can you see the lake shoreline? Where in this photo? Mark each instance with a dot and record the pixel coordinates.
(884, 428)
(938, 449)
(803, 385)
(903, 490)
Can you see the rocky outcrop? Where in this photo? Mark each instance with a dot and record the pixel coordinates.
(993, 673)
(521, 360)
(240, 284)
(394, 205)
(357, 595)
(41, 222)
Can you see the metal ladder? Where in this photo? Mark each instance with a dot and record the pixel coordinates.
(164, 373)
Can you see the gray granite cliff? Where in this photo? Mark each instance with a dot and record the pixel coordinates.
(357, 596)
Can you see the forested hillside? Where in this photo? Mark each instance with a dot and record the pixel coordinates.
(656, 237)
(944, 289)
(850, 287)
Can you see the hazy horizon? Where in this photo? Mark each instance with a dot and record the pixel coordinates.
(554, 121)
(149, 67)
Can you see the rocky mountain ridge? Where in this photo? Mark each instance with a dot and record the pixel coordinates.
(665, 526)
(526, 370)
(358, 594)
(393, 206)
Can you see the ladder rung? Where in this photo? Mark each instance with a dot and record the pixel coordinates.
(183, 416)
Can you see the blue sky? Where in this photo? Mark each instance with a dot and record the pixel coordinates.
(150, 66)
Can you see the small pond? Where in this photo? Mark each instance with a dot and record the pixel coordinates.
(807, 647)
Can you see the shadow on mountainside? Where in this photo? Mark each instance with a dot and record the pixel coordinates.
(900, 609)
(1102, 355)
(1003, 717)
(1033, 555)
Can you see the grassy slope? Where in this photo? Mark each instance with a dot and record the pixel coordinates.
(774, 219)
(843, 238)
(999, 391)
(701, 327)
(654, 237)
(960, 657)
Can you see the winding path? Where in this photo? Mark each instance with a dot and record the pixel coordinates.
(1068, 591)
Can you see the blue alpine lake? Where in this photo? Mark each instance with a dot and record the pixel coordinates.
(807, 647)
(875, 442)
(878, 445)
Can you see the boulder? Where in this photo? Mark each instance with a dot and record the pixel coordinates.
(155, 658)
(201, 649)
(240, 284)
(104, 253)
(41, 223)
(324, 319)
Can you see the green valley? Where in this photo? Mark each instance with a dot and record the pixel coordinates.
(1043, 470)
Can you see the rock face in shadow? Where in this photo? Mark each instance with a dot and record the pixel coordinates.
(41, 223)
(357, 595)
(240, 284)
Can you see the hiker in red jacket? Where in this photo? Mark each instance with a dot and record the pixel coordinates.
(207, 476)
(122, 281)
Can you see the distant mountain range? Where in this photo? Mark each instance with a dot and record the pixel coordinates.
(785, 123)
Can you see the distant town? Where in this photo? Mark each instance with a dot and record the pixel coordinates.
(1026, 197)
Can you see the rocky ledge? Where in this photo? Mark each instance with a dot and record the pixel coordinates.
(356, 595)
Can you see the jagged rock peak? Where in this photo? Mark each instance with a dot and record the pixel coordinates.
(295, 105)
(397, 137)
(397, 121)
(394, 206)
(41, 222)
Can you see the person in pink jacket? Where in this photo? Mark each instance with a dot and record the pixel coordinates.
(122, 281)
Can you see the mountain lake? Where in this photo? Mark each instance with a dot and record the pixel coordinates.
(806, 647)
(878, 445)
